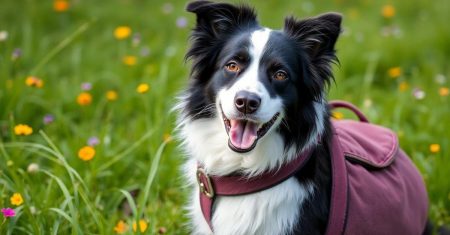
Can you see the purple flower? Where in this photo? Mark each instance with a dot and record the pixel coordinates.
(48, 118)
(93, 141)
(86, 86)
(418, 93)
(145, 51)
(182, 22)
(8, 212)
(16, 54)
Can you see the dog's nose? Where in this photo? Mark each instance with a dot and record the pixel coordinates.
(247, 102)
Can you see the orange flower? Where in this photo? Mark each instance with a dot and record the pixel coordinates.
(23, 129)
(337, 115)
(16, 199)
(121, 227)
(86, 153)
(395, 72)
(388, 11)
(142, 226)
(122, 32)
(111, 95)
(129, 60)
(444, 91)
(33, 81)
(84, 99)
(403, 86)
(435, 148)
(143, 88)
(60, 5)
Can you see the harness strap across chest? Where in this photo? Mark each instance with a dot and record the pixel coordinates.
(235, 185)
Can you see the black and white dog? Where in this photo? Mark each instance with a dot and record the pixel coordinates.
(256, 99)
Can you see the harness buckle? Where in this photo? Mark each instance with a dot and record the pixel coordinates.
(207, 189)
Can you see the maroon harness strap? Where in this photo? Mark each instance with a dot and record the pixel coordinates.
(212, 186)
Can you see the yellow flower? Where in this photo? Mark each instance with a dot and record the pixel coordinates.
(143, 88)
(60, 5)
(167, 138)
(33, 81)
(129, 60)
(111, 95)
(86, 153)
(84, 99)
(435, 148)
(16, 199)
(444, 91)
(388, 11)
(395, 72)
(122, 32)
(23, 129)
(142, 226)
(337, 115)
(403, 86)
(121, 227)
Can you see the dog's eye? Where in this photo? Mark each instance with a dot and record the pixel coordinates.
(280, 75)
(232, 67)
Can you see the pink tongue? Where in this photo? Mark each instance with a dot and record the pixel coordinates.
(242, 133)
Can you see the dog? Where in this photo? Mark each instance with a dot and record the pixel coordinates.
(255, 124)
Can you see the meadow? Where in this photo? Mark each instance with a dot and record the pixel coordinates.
(87, 140)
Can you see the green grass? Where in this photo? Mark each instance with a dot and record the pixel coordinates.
(70, 196)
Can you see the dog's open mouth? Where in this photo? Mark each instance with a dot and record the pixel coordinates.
(244, 134)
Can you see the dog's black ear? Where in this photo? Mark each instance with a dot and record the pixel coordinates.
(317, 36)
(217, 19)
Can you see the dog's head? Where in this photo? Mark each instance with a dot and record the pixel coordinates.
(257, 82)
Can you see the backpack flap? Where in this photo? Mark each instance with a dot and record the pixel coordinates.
(368, 144)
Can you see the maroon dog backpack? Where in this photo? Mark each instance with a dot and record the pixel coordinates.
(376, 189)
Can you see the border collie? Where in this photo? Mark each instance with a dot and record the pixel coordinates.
(255, 101)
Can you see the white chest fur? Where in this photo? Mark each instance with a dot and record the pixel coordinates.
(272, 211)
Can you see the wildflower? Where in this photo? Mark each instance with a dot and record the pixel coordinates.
(23, 129)
(111, 95)
(440, 79)
(129, 60)
(435, 148)
(367, 103)
(8, 212)
(142, 226)
(337, 115)
(167, 8)
(84, 99)
(403, 86)
(16, 54)
(444, 91)
(33, 81)
(136, 39)
(60, 5)
(86, 153)
(167, 138)
(121, 227)
(418, 93)
(162, 230)
(122, 32)
(33, 168)
(3, 35)
(16, 199)
(9, 163)
(181, 22)
(86, 86)
(388, 11)
(395, 72)
(93, 141)
(48, 118)
(143, 88)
